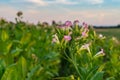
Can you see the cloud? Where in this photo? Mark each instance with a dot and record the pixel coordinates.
(7, 12)
(97, 1)
(38, 2)
(66, 2)
(92, 2)
(75, 2)
(48, 2)
(63, 2)
(95, 17)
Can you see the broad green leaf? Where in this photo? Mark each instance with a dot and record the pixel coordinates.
(9, 46)
(26, 38)
(90, 73)
(31, 44)
(32, 72)
(16, 52)
(22, 67)
(97, 76)
(11, 73)
(4, 35)
(101, 67)
(111, 78)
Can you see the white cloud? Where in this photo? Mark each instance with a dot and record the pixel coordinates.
(62, 13)
(79, 1)
(39, 2)
(48, 2)
(66, 2)
(95, 17)
(7, 12)
(98, 17)
(97, 1)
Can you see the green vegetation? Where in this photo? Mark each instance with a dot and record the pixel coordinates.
(109, 32)
(56, 52)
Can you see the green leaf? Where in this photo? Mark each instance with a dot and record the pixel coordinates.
(101, 67)
(16, 52)
(26, 38)
(90, 73)
(1, 68)
(10, 73)
(32, 72)
(4, 35)
(98, 76)
(111, 78)
(22, 67)
(9, 46)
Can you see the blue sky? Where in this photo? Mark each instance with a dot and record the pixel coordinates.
(95, 12)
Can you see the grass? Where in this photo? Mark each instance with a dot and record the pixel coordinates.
(109, 32)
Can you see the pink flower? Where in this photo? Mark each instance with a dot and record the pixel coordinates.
(67, 38)
(84, 34)
(68, 23)
(85, 25)
(85, 30)
(76, 22)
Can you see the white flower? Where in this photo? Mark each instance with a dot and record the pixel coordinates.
(115, 40)
(100, 53)
(86, 46)
(101, 36)
(55, 39)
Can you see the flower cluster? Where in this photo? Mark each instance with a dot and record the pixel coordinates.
(85, 30)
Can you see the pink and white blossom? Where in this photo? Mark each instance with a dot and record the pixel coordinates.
(68, 24)
(67, 38)
(100, 53)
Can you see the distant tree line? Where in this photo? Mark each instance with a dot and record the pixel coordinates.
(117, 26)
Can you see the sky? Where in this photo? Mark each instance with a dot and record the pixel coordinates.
(94, 12)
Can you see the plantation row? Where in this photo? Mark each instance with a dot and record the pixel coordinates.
(56, 52)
